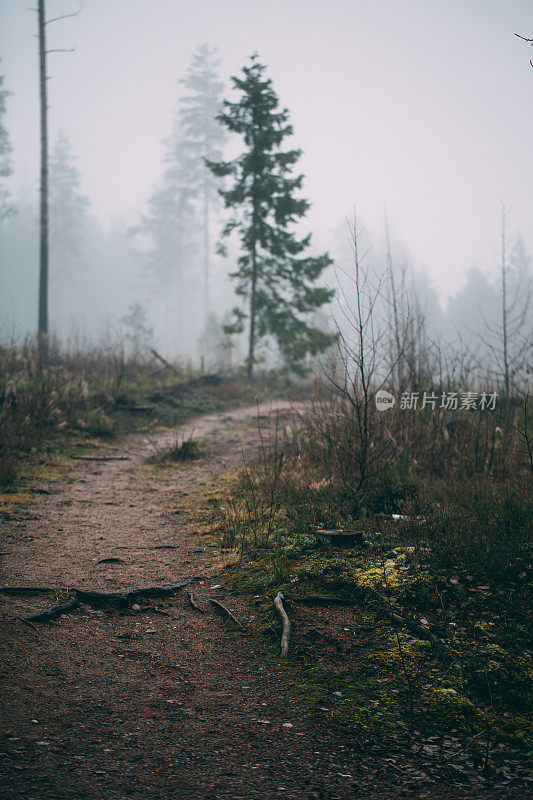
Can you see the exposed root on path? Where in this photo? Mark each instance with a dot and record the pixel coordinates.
(101, 458)
(225, 612)
(193, 603)
(113, 599)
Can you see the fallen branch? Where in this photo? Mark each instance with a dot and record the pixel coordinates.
(166, 363)
(27, 590)
(101, 458)
(286, 633)
(193, 603)
(226, 612)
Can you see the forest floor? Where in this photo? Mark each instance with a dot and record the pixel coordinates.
(158, 700)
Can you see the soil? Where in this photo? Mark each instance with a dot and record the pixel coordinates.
(161, 701)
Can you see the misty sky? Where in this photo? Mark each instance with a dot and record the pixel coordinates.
(423, 104)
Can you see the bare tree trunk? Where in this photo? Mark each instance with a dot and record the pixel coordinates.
(43, 272)
(207, 276)
(251, 342)
(505, 343)
(399, 365)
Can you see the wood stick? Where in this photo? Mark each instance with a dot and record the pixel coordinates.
(166, 363)
(285, 636)
(226, 612)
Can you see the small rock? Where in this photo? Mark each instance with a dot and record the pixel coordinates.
(287, 725)
(136, 607)
(338, 694)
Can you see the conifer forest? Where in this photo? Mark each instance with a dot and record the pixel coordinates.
(266, 392)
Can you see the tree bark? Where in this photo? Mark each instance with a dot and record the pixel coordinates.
(207, 271)
(251, 343)
(43, 270)
(505, 344)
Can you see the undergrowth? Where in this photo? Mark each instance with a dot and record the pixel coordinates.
(84, 397)
(446, 548)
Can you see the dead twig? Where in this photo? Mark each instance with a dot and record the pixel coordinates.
(286, 633)
(166, 363)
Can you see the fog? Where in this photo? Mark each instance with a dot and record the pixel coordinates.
(422, 108)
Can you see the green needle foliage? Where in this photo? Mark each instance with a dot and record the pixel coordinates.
(274, 274)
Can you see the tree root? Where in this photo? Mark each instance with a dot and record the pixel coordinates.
(226, 613)
(418, 630)
(54, 611)
(412, 625)
(193, 603)
(101, 458)
(286, 633)
(113, 599)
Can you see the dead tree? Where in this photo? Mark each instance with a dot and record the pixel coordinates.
(529, 41)
(44, 203)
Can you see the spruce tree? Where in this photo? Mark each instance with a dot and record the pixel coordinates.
(176, 226)
(275, 276)
(203, 139)
(68, 208)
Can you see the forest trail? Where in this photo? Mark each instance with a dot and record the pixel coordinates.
(167, 703)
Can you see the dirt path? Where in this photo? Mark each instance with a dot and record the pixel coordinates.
(170, 703)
